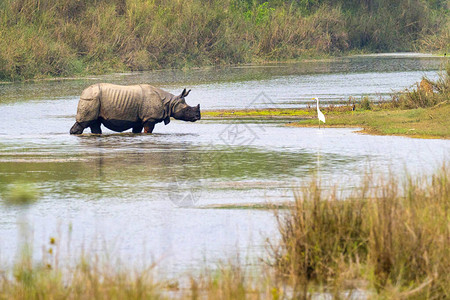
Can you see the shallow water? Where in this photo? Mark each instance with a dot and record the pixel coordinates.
(148, 197)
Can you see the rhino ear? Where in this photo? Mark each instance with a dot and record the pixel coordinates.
(198, 106)
(166, 120)
(184, 93)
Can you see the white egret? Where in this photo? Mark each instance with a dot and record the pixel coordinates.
(320, 115)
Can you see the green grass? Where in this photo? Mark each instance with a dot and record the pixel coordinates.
(71, 37)
(257, 113)
(420, 112)
(421, 122)
(430, 122)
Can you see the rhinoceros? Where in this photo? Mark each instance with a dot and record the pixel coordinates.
(136, 106)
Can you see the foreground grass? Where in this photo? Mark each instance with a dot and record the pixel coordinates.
(390, 240)
(394, 243)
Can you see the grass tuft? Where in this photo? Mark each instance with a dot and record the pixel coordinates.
(398, 242)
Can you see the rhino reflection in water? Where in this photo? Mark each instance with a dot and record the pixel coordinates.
(136, 106)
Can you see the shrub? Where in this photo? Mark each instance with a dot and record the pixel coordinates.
(427, 93)
(365, 103)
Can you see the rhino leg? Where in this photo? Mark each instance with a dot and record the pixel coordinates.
(148, 127)
(138, 128)
(76, 128)
(95, 127)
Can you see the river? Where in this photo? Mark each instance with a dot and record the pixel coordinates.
(146, 198)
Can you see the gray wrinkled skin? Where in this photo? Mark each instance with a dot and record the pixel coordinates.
(136, 106)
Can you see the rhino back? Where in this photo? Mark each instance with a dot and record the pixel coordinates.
(120, 102)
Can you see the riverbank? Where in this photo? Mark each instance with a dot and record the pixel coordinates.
(430, 122)
(419, 123)
(420, 112)
(72, 38)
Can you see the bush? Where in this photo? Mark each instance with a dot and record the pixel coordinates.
(427, 93)
(365, 103)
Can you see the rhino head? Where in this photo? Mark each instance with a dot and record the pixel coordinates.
(182, 111)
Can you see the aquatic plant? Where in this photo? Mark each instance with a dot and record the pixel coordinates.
(21, 194)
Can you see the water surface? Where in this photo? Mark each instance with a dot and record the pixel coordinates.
(148, 197)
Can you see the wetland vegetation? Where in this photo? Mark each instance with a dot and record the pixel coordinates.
(74, 37)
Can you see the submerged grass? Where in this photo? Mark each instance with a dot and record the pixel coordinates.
(20, 194)
(389, 240)
(63, 38)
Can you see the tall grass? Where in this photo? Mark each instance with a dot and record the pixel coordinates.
(59, 38)
(398, 243)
